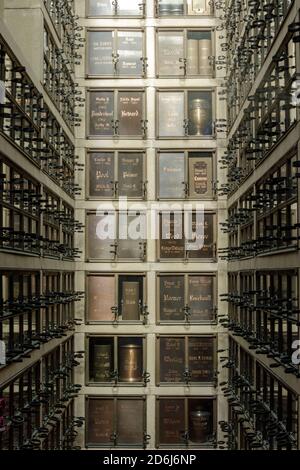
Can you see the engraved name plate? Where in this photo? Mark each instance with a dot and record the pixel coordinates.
(130, 299)
(172, 364)
(200, 175)
(101, 113)
(172, 243)
(171, 298)
(201, 359)
(100, 49)
(101, 166)
(130, 174)
(170, 50)
(171, 175)
(203, 228)
(130, 113)
(99, 238)
(170, 114)
(130, 51)
(201, 297)
(100, 421)
(171, 421)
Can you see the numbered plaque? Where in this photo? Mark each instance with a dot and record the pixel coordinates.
(100, 50)
(201, 297)
(171, 420)
(172, 243)
(101, 112)
(171, 298)
(130, 113)
(100, 421)
(170, 51)
(171, 114)
(130, 431)
(101, 171)
(131, 297)
(172, 359)
(171, 175)
(130, 52)
(101, 298)
(130, 176)
(200, 175)
(203, 244)
(201, 359)
(101, 229)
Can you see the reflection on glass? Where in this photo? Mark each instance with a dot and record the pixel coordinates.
(171, 7)
(130, 52)
(101, 236)
(101, 7)
(170, 51)
(100, 49)
(171, 114)
(200, 113)
(130, 431)
(199, 49)
(101, 298)
(129, 7)
(132, 235)
(171, 175)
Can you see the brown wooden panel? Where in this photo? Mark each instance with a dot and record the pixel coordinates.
(201, 359)
(130, 421)
(201, 297)
(172, 359)
(101, 174)
(171, 421)
(100, 425)
(101, 298)
(171, 298)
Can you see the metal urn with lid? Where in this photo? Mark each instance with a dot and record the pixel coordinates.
(200, 425)
(165, 9)
(199, 116)
(130, 363)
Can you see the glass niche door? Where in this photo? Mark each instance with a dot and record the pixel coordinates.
(115, 53)
(99, 8)
(115, 174)
(184, 114)
(183, 7)
(116, 113)
(184, 53)
(185, 175)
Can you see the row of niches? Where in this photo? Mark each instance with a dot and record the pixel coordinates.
(124, 236)
(37, 405)
(180, 421)
(260, 402)
(188, 298)
(35, 308)
(136, 8)
(122, 53)
(33, 219)
(122, 360)
(269, 209)
(179, 174)
(264, 311)
(180, 113)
